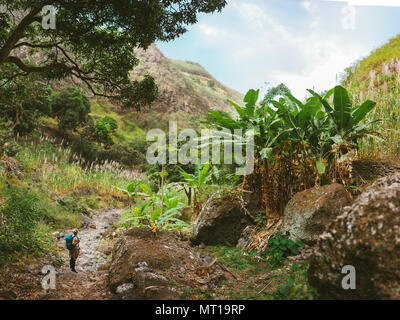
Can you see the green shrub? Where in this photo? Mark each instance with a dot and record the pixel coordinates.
(279, 248)
(23, 101)
(211, 84)
(5, 134)
(73, 205)
(261, 219)
(12, 148)
(85, 149)
(21, 212)
(71, 107)
(111, 122)
(296, 286)
(160, 210)
(103, 130)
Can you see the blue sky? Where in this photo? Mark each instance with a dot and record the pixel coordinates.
(303, 43)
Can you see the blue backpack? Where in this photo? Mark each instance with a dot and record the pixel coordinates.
(68, 242)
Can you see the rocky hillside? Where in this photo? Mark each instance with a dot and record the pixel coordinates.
(184, 85)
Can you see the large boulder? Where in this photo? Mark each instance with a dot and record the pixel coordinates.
(161, 253)
(367, 237)
(221, 220)
(309, 212)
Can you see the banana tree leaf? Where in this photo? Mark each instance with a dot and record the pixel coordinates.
(324, 102)
(360, 112)
(146, 189)
(342, 104)
(251, 97)
(239, 109)
(296, 101)
(223, 119)
(132, 187)
(156, 214)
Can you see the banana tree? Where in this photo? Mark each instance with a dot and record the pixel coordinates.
(160, 211)
(293, 135)
(341, 128)
(198, 181)
(130, 191)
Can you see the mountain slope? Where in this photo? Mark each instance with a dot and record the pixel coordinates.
(388, 54)
(184, 85)
(377, 77)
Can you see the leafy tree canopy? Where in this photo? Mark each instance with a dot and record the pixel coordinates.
(273, 92)
(71, 107)
(23, 101)
(94, 41)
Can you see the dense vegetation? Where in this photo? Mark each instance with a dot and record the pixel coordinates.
(61, 135)
(80, 46)
(298, 145)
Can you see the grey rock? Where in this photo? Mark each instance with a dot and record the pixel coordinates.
(309, 212)
(124, 288)
(221, 221)
(367, 237)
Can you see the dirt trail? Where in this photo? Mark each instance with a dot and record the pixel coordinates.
(89, 283)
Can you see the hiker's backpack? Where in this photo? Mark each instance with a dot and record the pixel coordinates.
(68, 242)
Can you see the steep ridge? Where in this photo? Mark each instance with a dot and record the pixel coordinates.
(183, 85)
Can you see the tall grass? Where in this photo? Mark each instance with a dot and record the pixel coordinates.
(382, 86)
(52, 165)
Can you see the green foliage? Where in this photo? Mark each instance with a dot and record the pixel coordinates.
(6, 136)
(314, 130)
(23, 101)
(261, 219)
(211, 84)
(236, 258)
(73, 205)
(104, 129)
(95, 42)
(201, 177)
(279, 248)
(22, 212)
(85, 149)
(131, 192)
(273, 92)
(71, 107)
(111, 122)
(296, 286)
(160, 210)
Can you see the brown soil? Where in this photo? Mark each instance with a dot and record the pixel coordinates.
(366, 171)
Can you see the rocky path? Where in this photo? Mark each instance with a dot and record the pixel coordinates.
(90, 282)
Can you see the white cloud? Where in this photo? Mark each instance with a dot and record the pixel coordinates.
(385, 3)
(306, 5)
(301, 60)
(211, 31)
